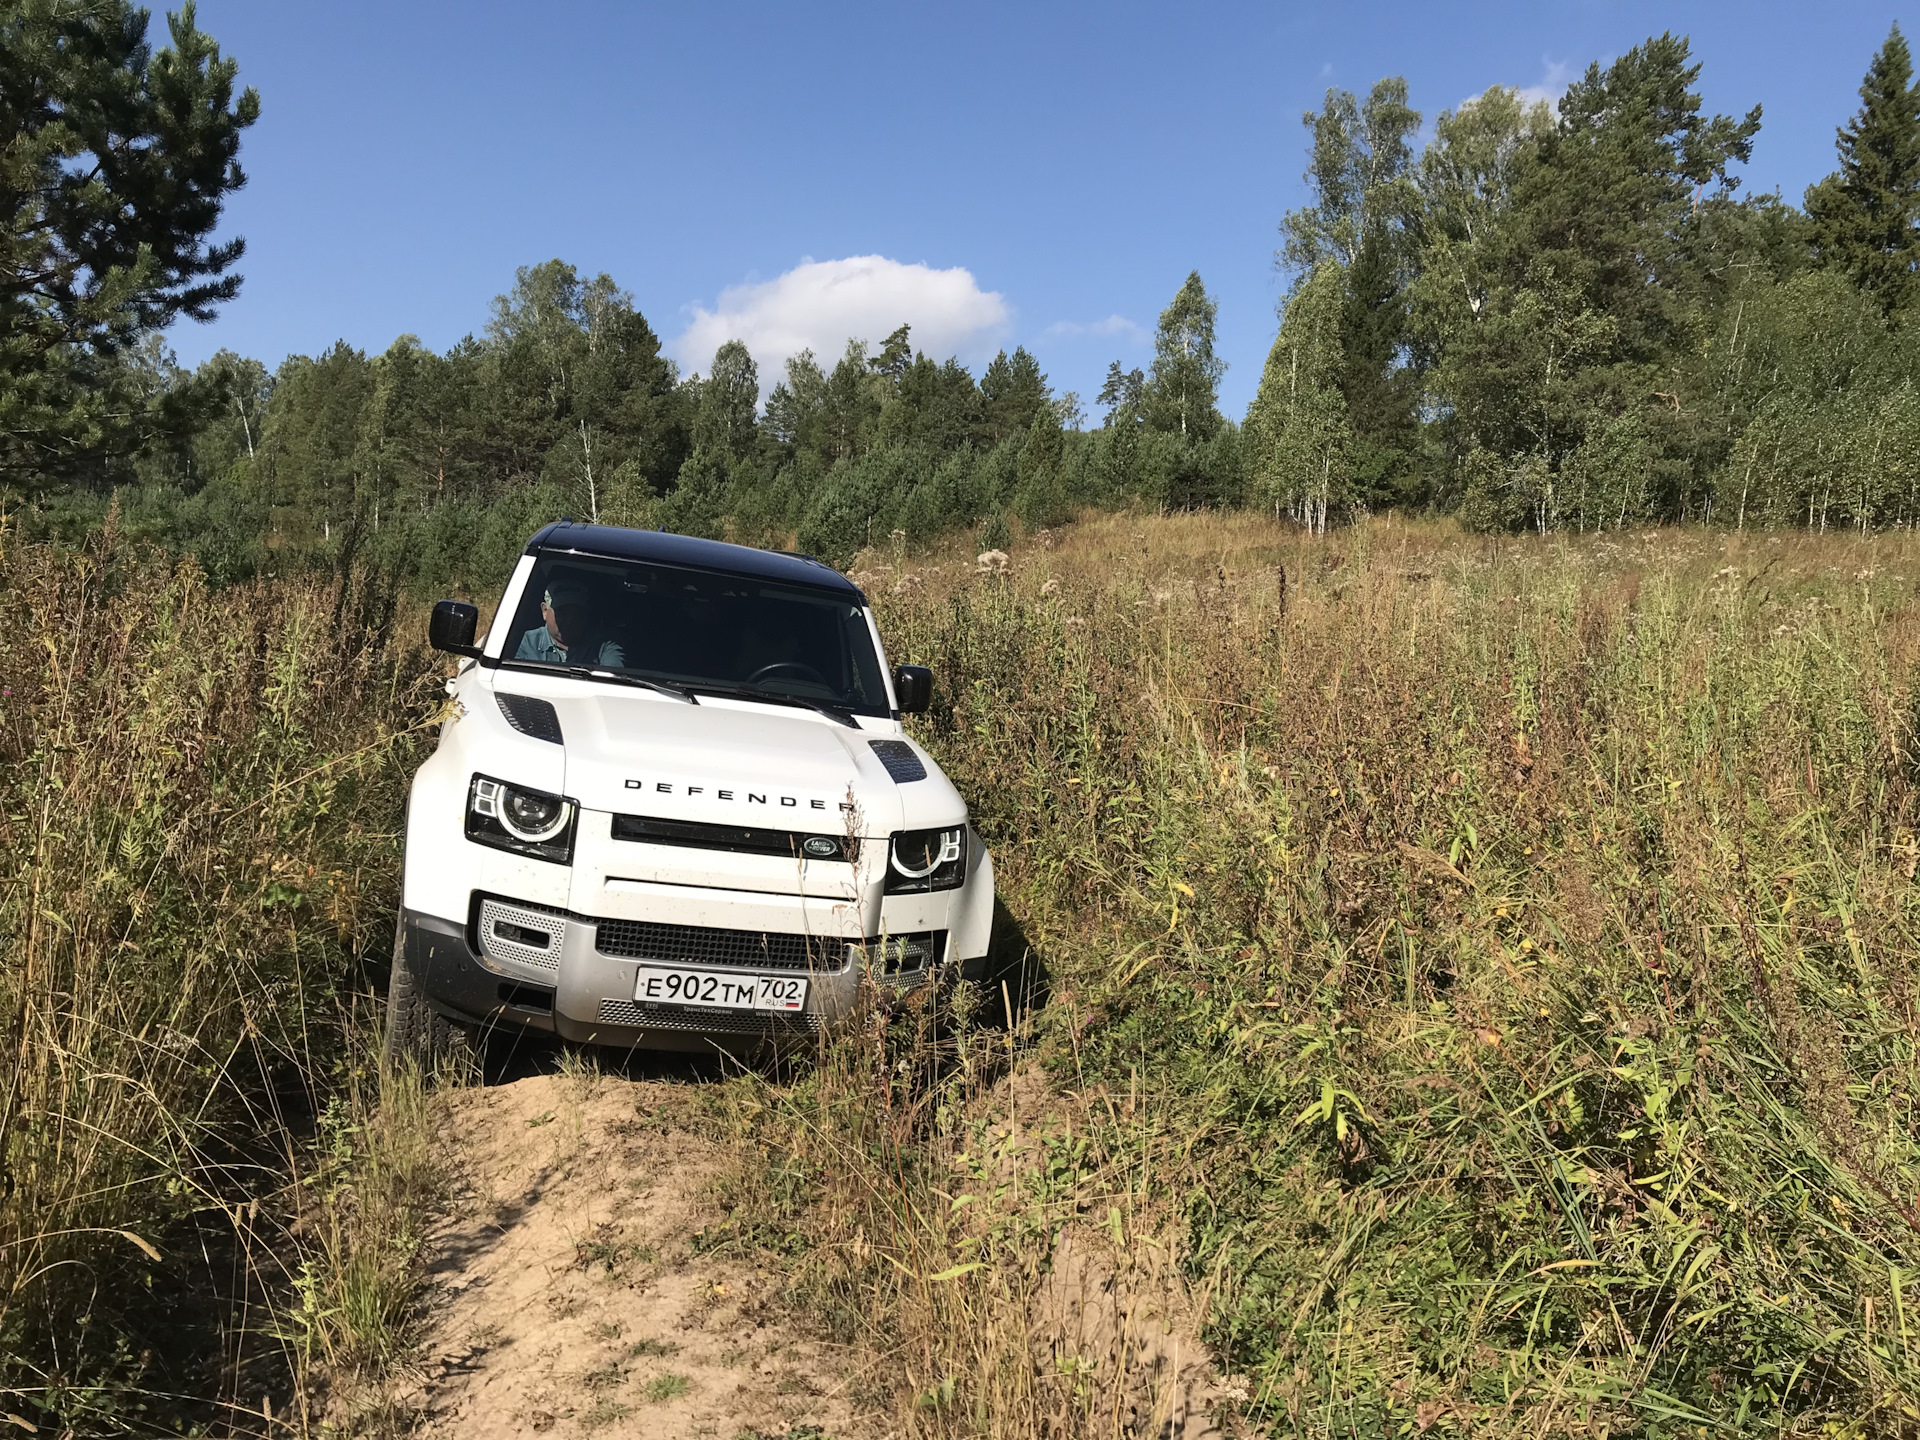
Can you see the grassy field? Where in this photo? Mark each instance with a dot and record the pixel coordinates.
(1486, 967)
(1478, 978)
(202, 797)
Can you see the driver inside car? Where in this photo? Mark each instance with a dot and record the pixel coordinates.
(567, 611)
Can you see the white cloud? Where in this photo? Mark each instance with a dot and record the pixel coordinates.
(1111, 327)
(819, 304)
(1555, 76)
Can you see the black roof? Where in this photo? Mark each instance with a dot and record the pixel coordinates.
(569, 537)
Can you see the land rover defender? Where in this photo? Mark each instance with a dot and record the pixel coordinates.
(674, 808)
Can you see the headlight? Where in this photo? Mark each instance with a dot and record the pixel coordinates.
(920, 860)
(527, 822)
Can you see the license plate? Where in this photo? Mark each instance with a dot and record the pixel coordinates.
(658, 985)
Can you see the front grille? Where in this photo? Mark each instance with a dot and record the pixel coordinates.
(741, 949)
(740, 839)
(714, 1021)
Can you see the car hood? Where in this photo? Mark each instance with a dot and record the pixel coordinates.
(729, 762)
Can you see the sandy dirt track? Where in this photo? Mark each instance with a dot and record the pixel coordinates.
(568, 1296)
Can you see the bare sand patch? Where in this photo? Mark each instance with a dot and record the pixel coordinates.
(570, 1297)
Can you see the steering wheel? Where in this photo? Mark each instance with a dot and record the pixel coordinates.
(810, 672)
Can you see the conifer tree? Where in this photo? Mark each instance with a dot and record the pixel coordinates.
(115, 162)
(896, 354)
(1123, 390)
(1593, 279)
(1867, 213)
(1012, 391)
(1038, 468)
(796, 410)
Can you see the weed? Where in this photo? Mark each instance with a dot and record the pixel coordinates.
(604, 1377)
(611, 1254)
(1482, 968)
(605, 1411)
(665, 1387)
(1479, 973)
(198, 802)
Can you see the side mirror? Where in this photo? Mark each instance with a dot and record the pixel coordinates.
(913, 687)
(452, 627)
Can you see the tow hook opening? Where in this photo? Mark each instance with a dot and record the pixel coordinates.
(527, 997)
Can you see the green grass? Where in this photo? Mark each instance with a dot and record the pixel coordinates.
(1483, 971)
(1488, 966)
(199, 798)
(665, 1387)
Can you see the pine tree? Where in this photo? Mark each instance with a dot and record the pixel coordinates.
(896, 354)
(311, 448)
(115, 161)
(796, 409)
(1186, 372)
(576, 386)
(1012, 392)
(853, 403)
(1039, 498)
(1123, 390)
(1867, 213)
(1379, 389)
(1614, 205)
(1588, 292)
(936, 407)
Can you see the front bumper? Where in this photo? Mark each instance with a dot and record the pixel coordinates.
(514, 965)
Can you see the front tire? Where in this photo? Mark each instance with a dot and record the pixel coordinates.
(416, 1032)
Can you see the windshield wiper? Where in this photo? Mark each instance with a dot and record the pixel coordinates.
(771, 697)
(596, 672)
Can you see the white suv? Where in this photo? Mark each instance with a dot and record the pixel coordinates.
(675, 808)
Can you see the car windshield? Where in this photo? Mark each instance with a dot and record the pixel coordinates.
(698, 630)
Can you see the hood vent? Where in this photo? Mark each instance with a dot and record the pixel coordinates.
(902, 764)
(531, 717)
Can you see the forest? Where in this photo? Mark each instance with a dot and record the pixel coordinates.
(1533, 320)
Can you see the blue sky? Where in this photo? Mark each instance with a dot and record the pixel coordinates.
(1000, 174)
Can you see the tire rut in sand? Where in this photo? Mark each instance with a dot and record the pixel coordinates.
(568, 1298)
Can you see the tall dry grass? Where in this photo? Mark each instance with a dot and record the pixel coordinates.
(200, 795)
(1488, 965)
(1483, 969)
